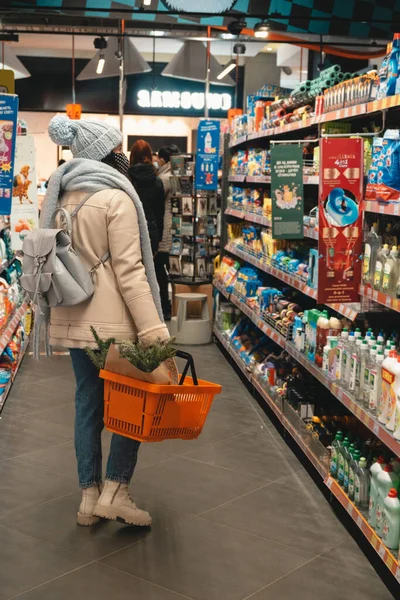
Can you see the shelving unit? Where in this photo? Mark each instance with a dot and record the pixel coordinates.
(358, 110)
(309, 232)
(318, 462)
(346, 399)
(307, 179)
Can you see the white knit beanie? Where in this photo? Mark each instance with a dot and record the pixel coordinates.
(87, 139)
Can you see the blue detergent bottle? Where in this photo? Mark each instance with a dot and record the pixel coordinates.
(393, 66)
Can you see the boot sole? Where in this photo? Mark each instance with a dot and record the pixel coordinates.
(87, 520)
(113, 515)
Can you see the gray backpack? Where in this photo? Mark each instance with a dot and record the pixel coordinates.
(53, 274)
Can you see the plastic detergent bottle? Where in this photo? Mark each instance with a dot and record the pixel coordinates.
(323, 326)
(347, 352)
(342, 340)
(380, 266)
(357, 333)
(385, 481)
(333, 342)
(396, 390)
(390, 272)
(325, 353)
(393, 66)
(336, 444)
(342, 454)
(375, 382)
(394, 397)
(383, 73)
(355, 366)
(369, 365)
(313, 316)
(352, 472)
(347, 461)
(375, 469)
(372, 244)
(360, 372)
(361, 485)
(391, 520)
(388, 377)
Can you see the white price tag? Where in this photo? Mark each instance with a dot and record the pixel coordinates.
(381, 209)
(375, 294)
(398, 574)
(388, 301)
(340, 394)
(376, 428)
(329, 482)
(396, 209)
(359, 521)
(382, 551)
(350, 508)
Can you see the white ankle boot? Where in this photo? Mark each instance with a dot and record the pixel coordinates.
(90, 497)
(116, 504)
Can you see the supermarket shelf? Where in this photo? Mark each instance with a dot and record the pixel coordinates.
(384, 553)
(3, 398)
(248, 216)
(369, 421)
(380, 297)
(11, 326)
(382, 208)
(357, 516)
(268, 400)
(335, 115)
(307, 179)
(309, 232)
(350, 311)
(263, 266)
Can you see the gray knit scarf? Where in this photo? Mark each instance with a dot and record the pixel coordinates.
(84, 175)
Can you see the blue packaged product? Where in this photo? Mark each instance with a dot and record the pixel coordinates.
(376, 157)
(389, 165)
(383, 74)
(393, 66)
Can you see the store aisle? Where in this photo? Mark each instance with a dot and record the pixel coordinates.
(235, 514)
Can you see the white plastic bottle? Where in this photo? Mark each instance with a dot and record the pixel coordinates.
(394, 397)
(342, 341)
(375, 469)
(387, 380)
(391, 520)
(380, 266)
(361, 485)
(390, 272)
(332, 357)
(385, 481)
(360, 372)
(355, 366)
(325, 353)
(396, 389)
(347, 352)
(369, 365)
(375, 382)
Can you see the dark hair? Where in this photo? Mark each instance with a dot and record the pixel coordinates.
(61, 162)
(141, 153)
(165, 152)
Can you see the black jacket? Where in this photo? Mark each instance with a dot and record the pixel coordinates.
(151, 193)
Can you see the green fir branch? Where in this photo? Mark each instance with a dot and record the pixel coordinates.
(98, 355)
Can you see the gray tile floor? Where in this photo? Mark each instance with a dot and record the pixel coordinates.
(235, 514)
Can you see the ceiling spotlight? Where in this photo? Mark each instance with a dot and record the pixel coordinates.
(157, 33)
(227, 36)
(269, 49)
(100, 43)
(261, 29)
(239, 48)
(235, 27)
(146, 2)
(227, 69)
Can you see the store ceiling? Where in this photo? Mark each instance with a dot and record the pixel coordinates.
(355, 18)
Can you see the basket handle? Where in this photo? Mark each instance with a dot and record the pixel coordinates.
(189, 363)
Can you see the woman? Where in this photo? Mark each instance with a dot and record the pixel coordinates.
(149, 188)
(125, 304)
(162, 258)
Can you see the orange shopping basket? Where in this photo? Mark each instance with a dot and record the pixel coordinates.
(152, 413)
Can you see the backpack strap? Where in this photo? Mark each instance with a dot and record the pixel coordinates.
(102, 261)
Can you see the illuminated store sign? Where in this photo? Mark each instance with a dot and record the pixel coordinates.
(183, 100)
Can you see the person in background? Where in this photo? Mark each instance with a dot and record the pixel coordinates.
(110, 236)
(162, 258)
(155, 161)
(150, 190)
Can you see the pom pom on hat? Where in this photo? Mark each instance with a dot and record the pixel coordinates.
(87, 139)
(62, 130)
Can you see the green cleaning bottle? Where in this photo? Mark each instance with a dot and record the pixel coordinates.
(341, 460)
(336, 445)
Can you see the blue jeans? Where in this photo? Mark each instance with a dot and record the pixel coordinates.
(89, 404)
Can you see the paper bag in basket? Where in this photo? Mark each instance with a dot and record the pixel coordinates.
(166, 373)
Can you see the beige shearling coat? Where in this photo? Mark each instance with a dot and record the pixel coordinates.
(122, 305)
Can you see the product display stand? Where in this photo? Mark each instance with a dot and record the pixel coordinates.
(371, 301)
